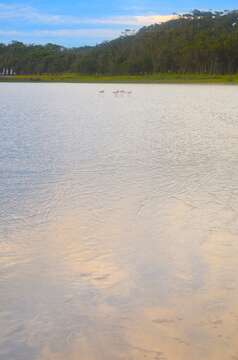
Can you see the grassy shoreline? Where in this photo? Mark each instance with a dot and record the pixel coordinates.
(167, 78)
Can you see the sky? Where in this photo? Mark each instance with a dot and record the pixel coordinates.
(85, 22)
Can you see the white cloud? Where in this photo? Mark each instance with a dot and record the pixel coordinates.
(154, 19)
(63, 33)
(26, 13)
(71, 33)
(11, 33)
(31, 15)
(133, 20)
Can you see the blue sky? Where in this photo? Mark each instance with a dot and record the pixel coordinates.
(85, 22)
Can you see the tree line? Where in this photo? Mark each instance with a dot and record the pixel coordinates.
(197, 42)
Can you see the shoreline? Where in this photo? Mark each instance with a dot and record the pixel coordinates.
(125, 79)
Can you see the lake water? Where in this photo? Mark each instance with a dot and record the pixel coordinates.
(118, 222)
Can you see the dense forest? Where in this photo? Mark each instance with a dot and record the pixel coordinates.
(198, 42)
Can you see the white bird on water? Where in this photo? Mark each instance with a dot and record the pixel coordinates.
(116, 92)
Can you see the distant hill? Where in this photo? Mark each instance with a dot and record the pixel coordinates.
(198, 42)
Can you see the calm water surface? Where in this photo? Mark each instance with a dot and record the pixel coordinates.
(118, 222)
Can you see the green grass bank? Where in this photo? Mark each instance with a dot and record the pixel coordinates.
(167, 78)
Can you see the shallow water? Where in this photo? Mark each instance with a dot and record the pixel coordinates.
(118, 222)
